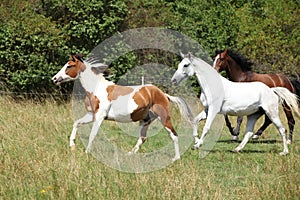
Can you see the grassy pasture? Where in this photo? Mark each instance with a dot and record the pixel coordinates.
(35, 163)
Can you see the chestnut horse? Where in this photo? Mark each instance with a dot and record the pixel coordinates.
(239, 69)
(107, 101)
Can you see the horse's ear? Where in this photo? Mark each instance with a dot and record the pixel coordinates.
(226, 52)
(190, 56)
(181, 54)
(72, 57)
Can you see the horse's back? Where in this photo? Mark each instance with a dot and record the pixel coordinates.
(274, 80)
(134, 102)
(244, 98)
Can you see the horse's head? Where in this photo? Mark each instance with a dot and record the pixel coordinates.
(71, 70)
(220, 61)
(185, 69)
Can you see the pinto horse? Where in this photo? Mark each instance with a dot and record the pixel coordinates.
(107, 101)
(239, 69)
(219, 95)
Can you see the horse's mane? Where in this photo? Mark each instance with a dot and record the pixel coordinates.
(97, 66)
(244, 62)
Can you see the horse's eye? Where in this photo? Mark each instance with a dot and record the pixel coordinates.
(186, 65)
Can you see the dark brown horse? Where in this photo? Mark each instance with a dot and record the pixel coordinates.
(239, 69)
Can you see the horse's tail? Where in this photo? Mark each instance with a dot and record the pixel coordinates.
(183, 107)
(296, 85)
(289, 98)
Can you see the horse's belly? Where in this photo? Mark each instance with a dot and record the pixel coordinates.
(240, 110)
(121, 110)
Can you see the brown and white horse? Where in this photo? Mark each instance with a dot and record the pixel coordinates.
(107, 101)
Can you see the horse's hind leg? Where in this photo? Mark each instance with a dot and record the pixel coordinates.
(274, 117)
(251, 119)
(291, 122)
(144, 125)
(164, 115)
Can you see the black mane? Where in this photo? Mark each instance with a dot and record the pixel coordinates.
(244, 62)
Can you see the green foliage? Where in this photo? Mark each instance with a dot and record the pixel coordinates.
(30, 46)
(37, 36)
(269, 34)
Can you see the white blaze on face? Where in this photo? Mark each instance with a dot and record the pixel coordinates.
(61, 76)
(215, 61)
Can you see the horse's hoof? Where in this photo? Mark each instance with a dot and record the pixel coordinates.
(289, 142)
(235, 138)
(283, 153)
(236, 150)
(175, 158)
(72, 147)
(195, 147)
(255, 137)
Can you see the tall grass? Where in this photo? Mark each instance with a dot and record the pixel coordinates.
(36, 163)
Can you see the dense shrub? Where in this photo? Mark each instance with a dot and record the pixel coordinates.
(37, 36)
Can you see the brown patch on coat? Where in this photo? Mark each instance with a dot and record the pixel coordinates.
(92, 103)
(144, 101)
(114, 91)
(75, 66)
(152, 98)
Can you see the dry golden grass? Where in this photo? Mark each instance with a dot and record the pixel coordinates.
(36, 164)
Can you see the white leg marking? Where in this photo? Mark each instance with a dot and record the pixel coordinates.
(244, 142)
(251, 120)
(176, 146)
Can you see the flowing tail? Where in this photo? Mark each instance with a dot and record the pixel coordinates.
(296, 85)
(288, 97)
(183, 107)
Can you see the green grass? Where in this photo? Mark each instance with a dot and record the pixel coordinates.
(36, 163)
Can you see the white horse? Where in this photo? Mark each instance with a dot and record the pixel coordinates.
(107, 101)
(219, 95)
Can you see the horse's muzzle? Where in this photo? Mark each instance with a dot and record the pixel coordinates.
(57, 81)
(174, 81)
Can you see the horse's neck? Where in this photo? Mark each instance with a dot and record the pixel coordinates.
(92, 82)
(235, 73)
(209, 80)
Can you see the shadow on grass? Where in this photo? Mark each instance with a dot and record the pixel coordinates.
(241, 152)
(251, 141)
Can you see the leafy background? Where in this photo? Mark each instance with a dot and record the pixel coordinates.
(36, 36)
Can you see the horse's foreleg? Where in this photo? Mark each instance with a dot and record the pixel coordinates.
(228, 124)
(210, 118)
(197, 119)
(84, 120)
(99, 117)
(251, 119)
(236, 131)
